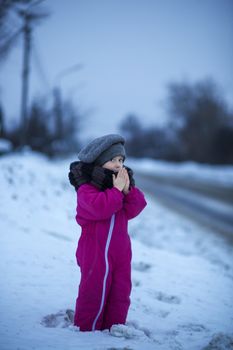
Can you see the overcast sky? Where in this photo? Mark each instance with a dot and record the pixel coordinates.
(129, 51)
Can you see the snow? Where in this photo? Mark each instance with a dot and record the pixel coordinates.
(5, 146)
(182, 273)
(210, 174)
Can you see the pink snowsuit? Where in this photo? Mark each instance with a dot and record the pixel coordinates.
(104, 255)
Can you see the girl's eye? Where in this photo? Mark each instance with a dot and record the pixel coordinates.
(115, 160)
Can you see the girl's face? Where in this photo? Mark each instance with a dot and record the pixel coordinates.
(115, 164)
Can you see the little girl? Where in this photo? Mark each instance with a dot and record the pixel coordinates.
(106, 199)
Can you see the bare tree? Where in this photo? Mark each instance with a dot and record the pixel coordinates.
(197, 113)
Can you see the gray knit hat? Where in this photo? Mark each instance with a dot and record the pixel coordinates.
(103, 149)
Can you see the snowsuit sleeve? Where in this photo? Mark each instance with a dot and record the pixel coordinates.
(98, 205)
(134, 203)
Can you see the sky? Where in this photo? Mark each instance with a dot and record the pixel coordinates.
(128, 51)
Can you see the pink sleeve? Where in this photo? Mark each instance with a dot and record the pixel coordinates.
(134, 202)
(98, 205)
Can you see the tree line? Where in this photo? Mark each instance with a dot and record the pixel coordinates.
(199, 127)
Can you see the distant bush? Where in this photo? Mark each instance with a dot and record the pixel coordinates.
(46, 131)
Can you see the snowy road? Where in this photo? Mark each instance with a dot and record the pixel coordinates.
(212, 206)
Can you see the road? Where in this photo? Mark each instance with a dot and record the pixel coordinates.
(209, 205)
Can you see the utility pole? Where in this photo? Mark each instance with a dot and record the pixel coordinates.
(58, 112)
(28, 16)
(25, 76)
(29, 12)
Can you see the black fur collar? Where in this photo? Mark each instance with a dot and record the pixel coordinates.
(81, 173)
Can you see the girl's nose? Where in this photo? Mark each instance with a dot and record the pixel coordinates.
(119, 164)
(118, 167)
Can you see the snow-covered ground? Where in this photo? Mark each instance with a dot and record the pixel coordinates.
(182, 295)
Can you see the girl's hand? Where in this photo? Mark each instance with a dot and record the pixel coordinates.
(120, 180)
(126, 188)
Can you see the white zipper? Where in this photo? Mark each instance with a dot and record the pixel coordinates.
(106, 270)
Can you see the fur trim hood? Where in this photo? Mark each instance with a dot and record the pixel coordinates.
(82, 173)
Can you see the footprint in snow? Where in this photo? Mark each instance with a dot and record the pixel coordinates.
(166, 298)
(193, 327)
(220, 341)
(136, 283)
(63, 319)
(125, 348)
(57, 235)
(163, 313)
(141, 266)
